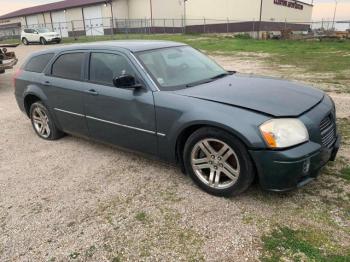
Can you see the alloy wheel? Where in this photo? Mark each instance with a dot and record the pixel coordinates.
(41, 122)
(215, 163)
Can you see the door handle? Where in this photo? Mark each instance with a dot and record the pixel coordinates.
(92, 92)
(46, 83)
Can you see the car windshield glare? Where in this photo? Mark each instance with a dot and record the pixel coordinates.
(43, 30)
(180, 67)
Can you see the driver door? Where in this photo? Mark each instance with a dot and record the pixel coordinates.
(120, 116)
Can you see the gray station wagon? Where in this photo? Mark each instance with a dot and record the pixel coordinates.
(171, 101)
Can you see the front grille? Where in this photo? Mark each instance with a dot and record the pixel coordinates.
(328, 131)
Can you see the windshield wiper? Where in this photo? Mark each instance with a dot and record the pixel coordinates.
(210, 79)
(200, 82)
(223, 75)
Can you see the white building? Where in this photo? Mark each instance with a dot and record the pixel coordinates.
(94, 17)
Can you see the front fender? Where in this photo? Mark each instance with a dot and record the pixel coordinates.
(176, 113)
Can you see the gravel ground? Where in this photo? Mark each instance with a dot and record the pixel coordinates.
(75, 199)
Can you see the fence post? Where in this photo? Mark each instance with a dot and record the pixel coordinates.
(112, 28)
(164, 27)
(253, 32)
(204, 25)
(228, 25)
(146, 26)
(183, 25)
(285, 24)
(126, 28)
(72, 23)
(59, 26)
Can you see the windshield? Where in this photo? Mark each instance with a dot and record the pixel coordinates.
(180, 67)
(43, 30)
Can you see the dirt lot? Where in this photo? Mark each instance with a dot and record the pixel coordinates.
(75, 199)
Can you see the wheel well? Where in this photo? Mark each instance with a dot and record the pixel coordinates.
(185, 134)
(181, 140)
(28, 101)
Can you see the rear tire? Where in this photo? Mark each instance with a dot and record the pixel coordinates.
(25, 41)
(218, 162)
(43, 123)
(43, 41)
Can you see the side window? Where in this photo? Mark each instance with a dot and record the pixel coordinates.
(38, 63)
(104, 67)
(26, 31)
(69, 66)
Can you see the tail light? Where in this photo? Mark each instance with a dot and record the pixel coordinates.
(16, 75)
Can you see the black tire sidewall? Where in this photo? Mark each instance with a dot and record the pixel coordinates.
(25, 41)
(246, 167)
(54, 132)
(43, 41)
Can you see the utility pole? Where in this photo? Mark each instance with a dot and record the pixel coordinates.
(260, 18)
(185, 16)
(112, 15)
(151, 6)
(335, 12)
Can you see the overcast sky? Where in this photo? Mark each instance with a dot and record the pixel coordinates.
(322, 9)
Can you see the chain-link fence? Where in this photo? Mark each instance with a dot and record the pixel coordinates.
(109, 26)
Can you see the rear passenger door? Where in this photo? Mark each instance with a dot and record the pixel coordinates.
(121, 116)
(31, 35)
(66, 90)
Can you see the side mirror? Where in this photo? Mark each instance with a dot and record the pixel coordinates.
(126, 81)
(36, 32)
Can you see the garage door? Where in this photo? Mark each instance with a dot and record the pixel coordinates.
(93, 20)
(32, 21)
(59, 23)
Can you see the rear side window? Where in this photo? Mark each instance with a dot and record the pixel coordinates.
(69, 66)
(38, 63)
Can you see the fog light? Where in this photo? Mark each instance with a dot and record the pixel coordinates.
(306, 166)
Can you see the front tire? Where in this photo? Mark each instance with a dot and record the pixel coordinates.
(43, 41)
(218, 162)
(43, 123)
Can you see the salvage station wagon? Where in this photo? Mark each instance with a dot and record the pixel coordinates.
(171, 101)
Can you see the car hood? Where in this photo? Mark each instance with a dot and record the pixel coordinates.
(49, 34)
(276, 97)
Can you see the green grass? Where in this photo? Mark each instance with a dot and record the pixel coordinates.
(141, 216)
(74, 255)
(345, 173)
(10, 41)
(285, 244)
(314, 56)
(344, 129)
(310, 56)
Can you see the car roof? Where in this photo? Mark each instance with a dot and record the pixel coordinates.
(130, 45)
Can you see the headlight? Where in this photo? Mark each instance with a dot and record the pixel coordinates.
(284, 132)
